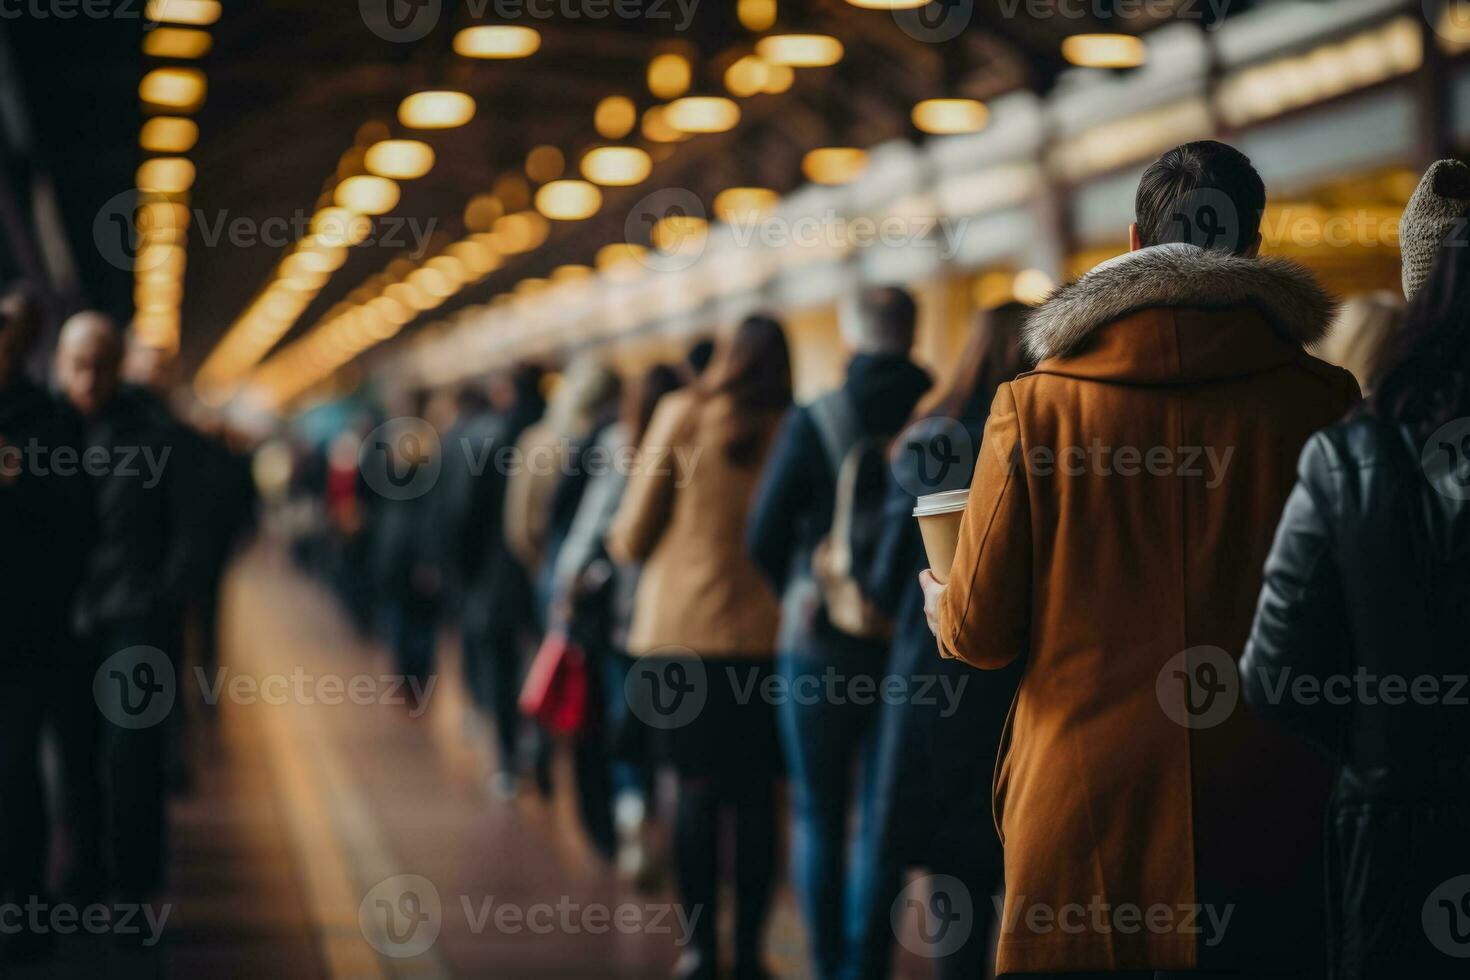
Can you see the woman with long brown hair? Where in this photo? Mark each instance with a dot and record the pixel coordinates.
(704, 628)
(932, 804)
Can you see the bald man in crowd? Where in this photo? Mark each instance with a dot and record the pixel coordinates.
(126, 616)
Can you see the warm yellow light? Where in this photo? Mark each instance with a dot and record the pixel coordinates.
(177, 42)
(431, 282)
(173, 88)
(436, 110)
(834, 164)
(779, 78)
(1032, 286)
(155, 294)
(531, 286)
(299, 280)
(391, 309)
(747, 76)
(757, 15)
(497, 41)
(656, 127)
(160, 261)
(800, 50)
(313, 256)
(545, 163)
(619, 255)
(568, 200)
(735, 205)
(678, 231)
(399, 159)
(410, 296)
(168, 134)
(519, 232)
(616, 166)
(452, 268)
(669, 75)
(888, 4)
(161, 221)
(482, 211)
(1104, 50)
(570, 273)
(478, 258)
(166, 175)
(365, 194)
(702, 114)
(340, 227)
(615, 117)
(950, 116)
(196, 12)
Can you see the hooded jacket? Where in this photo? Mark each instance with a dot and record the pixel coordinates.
(1122, 507)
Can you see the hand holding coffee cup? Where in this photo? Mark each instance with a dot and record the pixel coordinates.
(939, 516)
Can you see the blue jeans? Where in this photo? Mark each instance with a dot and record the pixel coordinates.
(827, 732)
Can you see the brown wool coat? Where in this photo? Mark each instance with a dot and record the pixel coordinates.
(683, 515)
(1101, 568)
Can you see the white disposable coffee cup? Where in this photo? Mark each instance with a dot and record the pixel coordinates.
(939, 517)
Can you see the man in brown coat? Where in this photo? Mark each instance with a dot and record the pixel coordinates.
(1119, 518)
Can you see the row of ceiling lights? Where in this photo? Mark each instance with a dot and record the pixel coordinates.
(670, 76)
(170, 94)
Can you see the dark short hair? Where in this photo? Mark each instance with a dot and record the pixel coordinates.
(891, 313)
(1205, 193)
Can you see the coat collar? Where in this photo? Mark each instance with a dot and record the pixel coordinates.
(1175, 276)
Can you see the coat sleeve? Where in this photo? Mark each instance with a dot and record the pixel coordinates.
(985, 612)
(1299, 629)
(648, 498)
(780, 498)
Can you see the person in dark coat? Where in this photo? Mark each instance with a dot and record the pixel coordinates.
(45, 522)
(823, 739)
(125, 619)
(1358, 644)
(931, 805)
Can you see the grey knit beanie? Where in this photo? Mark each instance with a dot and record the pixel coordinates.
(1441, 199)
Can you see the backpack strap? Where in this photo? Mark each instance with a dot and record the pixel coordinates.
(835, 417)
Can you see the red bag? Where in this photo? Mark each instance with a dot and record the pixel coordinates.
(557, 686)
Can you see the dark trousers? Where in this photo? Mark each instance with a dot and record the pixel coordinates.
(55, 696)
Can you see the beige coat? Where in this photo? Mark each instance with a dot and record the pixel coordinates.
(1132, 840)
(683, 514)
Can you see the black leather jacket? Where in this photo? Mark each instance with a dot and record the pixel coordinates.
(1359, 645)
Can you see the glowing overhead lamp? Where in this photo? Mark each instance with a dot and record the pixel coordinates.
(738, 204)
(390, 309)
(834, 164)
(161, 221)
(450, 267)
(497, 41)
(340, 227)
(1104, 50)
(615, 117)
(519, 232)
(177, 42)
(747, 76)
(432, 282)
(800, 50)
(779, 78)
(410, 296)
(669, 75)
(678, 231)
(166, 175)
(1032, 286)
(482, 211)
(173, 88)
(436, 109)
(399, 159)
(620, 255)
(299, 280)
(657, 129)
(366, 194)
(568, 200)
(616, 166)
(571, 273)
(702, 114)
(950, 116)
(757, 15)
(168, 134)
(196, 13)
(545, 163)
(478, 258)
(531, 286)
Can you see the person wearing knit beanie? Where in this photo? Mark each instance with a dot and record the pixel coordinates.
(1441, 200)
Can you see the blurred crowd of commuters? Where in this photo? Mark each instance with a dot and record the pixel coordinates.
(748, 544)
